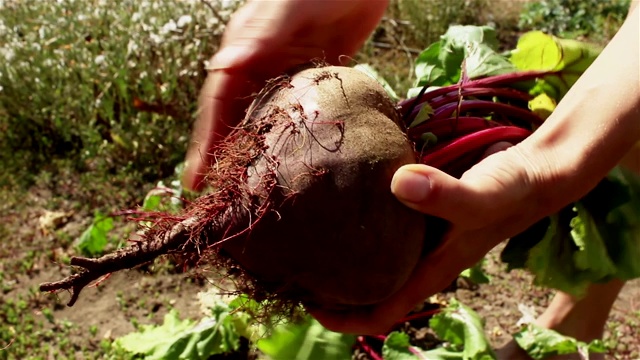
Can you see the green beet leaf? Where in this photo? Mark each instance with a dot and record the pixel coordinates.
(396, 347)
(440, 64)
(476, 273)
(460, 328)
(621, 225)
(551, 260)
(541, 343)
(538, 51)
(306, 340)
(594, 240)
(463, 328)
(591, 255)
(179, 339)
(482, 60)
(429, 68)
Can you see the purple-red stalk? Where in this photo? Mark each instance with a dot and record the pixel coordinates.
(451, 127)
(448, 152)
(518, 115)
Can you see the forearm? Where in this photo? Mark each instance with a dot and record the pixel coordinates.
(593, 127)
(633, 6)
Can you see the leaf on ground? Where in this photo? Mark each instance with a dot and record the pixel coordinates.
(179, 339)
(396, 347)
(95, 238)
(541, 343)
(463, 328)
(306, 340)
(476, 273)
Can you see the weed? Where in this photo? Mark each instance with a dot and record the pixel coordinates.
(93, 330)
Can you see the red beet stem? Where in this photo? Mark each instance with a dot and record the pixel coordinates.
(451, 127)
(362, 342)
(523, 117)
(448, 153)
(488, 82)
(454, 96)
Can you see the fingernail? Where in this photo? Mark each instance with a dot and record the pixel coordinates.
(229, 56)
(410, 186)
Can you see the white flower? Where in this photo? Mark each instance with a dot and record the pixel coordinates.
(136, 16)
(225, 4)
(184, 20)
(8, 53)
(42, 32)
(213, 21)
(168, 27)
(131, 47)
(157, 39)
(99, 59)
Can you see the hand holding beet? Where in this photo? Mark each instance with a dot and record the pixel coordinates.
(263, 40)
(332, 135)
(588, 134)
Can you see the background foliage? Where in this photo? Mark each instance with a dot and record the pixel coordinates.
(108, 89)
(101, 86)
(595, 19)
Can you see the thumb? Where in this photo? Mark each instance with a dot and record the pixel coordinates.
(431, 191)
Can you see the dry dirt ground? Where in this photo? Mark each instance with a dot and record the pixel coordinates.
(34, 325)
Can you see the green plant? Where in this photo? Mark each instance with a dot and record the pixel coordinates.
(598, 19)
(105, 86)
(95, 238)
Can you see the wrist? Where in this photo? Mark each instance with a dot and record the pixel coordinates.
(592, 128)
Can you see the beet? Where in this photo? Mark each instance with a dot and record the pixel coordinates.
(300, 206)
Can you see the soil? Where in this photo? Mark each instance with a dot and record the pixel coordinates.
(33, 248)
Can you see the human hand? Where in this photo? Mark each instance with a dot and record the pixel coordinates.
(263, 40)
(492, 201)
(499, 197)
(590, 131)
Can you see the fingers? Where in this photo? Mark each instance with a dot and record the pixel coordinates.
(263, 40)
(483, 194)
(436, 193)
(235, 72)
(222, 102)
(254, 31)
